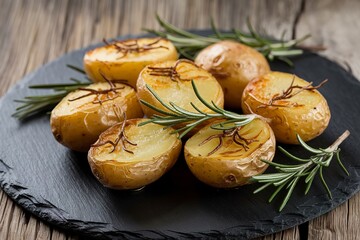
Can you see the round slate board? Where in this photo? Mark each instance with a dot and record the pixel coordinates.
(56, 184)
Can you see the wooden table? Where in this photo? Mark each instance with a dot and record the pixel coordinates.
(33, 33)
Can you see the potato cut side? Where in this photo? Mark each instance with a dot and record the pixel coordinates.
(303, 112)
(234, 65)
(143, 154)
(236, 159)
(124, 60)
(176, 87)
(79, 119)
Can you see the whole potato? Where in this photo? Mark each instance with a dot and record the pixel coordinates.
(78, 120)
(233, 64)
(142, 155)
(292, 109)
(221, 162)
(124, 60)
(177, 88)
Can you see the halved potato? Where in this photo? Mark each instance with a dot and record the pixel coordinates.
(124, 60)
(233, 64)
(221, 162)
(292, 110)
(171, 80)
(81, 116)
(141, 156)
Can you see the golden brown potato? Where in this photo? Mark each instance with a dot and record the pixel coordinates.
(127, 156)
(124, 60)
(172, 82)
(233, 161)
(292, 104)
(78, 119)
(233, 65)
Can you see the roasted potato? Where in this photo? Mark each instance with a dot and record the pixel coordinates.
(81, 116)
(292, 104)
(124, 60)
(229, 159)
(233, 65)
(172, 82)
(128, 156)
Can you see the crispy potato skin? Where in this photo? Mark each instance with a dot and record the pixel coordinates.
(231, 166)
(180, 91)
(115, 65)
(306, 113)
(78, 124)
(233, 65)
(123, 170)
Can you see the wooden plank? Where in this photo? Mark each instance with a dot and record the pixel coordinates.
(334, 24)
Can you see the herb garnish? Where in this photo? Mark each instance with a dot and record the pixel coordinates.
(235, 136)
(177, 115)
(189, 44)
(110, 94)
(32, 105)
(121, 138)
(289, 93)
(288, 175)
(170, 71)
(127, 46)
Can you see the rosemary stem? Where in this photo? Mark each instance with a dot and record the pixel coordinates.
(338, 141)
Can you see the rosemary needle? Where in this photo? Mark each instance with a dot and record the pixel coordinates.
(189, 44)
(32, 105)
(175, 115)
(288, 175)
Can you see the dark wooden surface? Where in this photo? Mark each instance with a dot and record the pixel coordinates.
(33, 33)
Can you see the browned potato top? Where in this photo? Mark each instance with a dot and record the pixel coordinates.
(124, 60)
(292, 110)
(79, 119)
(224, 162)
(142, 49)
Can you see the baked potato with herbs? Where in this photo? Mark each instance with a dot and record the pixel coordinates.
(292, 104)
(233, 64)
(171, 80)
(124, 60)
(229, 159)
(127, 156)
(79, 119)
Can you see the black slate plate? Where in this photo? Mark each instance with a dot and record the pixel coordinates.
(56, 184)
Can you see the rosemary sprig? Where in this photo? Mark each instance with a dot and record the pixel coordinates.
(32, 105)
(175, 115)
(289, 175)
(189, 44)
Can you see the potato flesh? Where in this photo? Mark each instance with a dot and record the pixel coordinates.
(234, 65)
(115, 65)
(78, 123)
(151, 140)
(231, 165)
(156, 151)
(229, 149)
(306, 113)
(180, 91)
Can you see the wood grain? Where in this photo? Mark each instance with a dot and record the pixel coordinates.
(33, 33)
